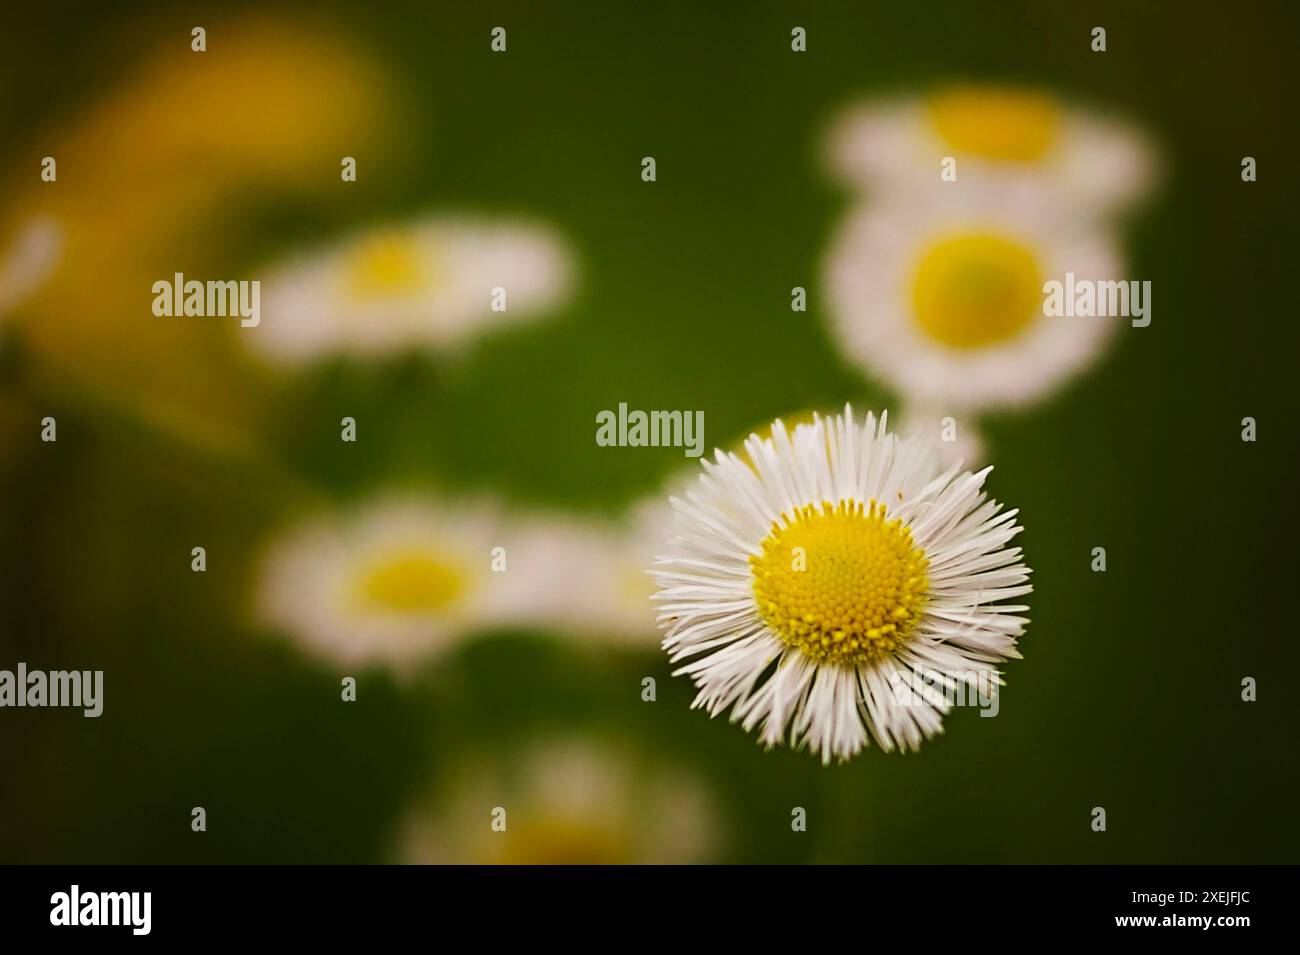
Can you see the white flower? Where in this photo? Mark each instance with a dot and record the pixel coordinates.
(1021, 139)
(397, 580)
(588, 577)
(957, 439)
(31, 257)
(941, 297)
(432, 283)
(811, 581)
(566, 801)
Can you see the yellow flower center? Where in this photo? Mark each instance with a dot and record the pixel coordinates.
(977, 289)
(386, 264)
(996, 124)
(791, 421)
(557, 840)
(412, 582)
(841, 583)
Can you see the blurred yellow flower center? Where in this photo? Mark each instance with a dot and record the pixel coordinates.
(766, 430)
(841, 583)
(386, 264)
(556, 840)
(1007, 125)
(977, 289)
(791, 421)
(412, 582)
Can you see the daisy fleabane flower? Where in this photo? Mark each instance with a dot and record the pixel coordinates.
(564, 801)
(396, 580)
(436, 283)
(812, 580)
(941, 296)
(1045, 149)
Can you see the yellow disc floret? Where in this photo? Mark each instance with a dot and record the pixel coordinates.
(557, 840)
(840, 582)
(386, 264)
(410, 582)
(1004, 125)
(977, 289)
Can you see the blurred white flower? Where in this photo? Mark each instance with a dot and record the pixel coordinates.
(588, 578)
(394, 581)
(29, 260)
(1022, 140)
(941, 296)
(957, 439)
(428, 284)
(569, 801)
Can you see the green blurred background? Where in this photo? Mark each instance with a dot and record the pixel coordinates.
(1129, 693)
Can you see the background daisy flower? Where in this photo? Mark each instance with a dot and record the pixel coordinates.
(1027, 139)
(396, 580)
(428, 283)
(566, 801)
(941, 297)
(806, 582)
(588, 577)
(966, 447)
